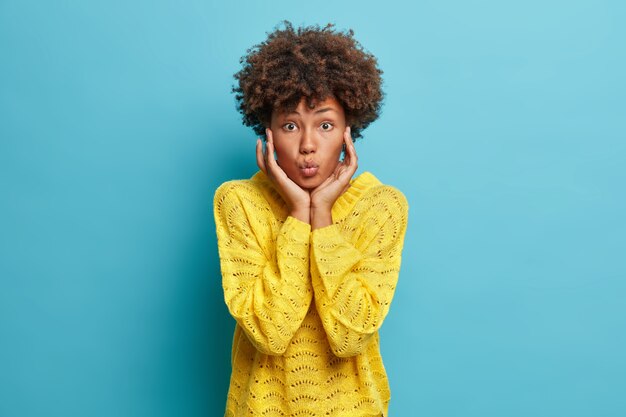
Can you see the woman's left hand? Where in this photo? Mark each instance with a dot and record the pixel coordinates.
(324, 195)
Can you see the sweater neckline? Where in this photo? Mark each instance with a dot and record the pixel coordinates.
(344, 203)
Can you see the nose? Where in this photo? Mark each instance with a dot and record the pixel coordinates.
(307, 142)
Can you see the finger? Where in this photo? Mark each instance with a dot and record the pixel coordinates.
(259, 155)
(353, 159)
(347, 140)
(268, 140)
(270, 163)
(268, 158)
(270, 150)
(350, 161)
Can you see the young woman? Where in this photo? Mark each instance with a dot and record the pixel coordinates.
(309, 255)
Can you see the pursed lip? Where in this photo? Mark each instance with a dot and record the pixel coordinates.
(309, 164)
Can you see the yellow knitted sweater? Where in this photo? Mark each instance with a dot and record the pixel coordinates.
(308, 303)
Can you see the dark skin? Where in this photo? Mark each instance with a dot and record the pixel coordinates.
(311, 205)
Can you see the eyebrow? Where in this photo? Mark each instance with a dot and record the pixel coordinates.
(318, 111)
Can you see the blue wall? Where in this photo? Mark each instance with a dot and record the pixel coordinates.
(503, 125)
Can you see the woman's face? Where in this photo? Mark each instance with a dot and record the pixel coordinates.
(308, 142)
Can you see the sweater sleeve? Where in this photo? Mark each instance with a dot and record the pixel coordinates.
(265, 278)
(354, 282)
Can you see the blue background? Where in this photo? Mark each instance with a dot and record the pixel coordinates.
(503, 125)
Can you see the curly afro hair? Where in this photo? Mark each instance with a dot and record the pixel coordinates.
(314, 63)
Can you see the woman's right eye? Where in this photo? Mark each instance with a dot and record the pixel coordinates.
(289, 124)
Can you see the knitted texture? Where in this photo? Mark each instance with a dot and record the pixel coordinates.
(308, 304)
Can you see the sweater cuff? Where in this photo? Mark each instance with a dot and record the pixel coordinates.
(297, 230)
(330, 232)
(330, 246)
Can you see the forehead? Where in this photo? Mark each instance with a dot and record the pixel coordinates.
(327, 106)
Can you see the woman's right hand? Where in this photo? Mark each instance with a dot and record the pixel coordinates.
(298, 200)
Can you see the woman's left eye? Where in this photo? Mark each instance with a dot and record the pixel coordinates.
(326, 124)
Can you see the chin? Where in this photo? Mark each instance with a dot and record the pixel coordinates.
(309, 183)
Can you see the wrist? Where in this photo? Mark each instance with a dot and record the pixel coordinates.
(303, 215)
(319, 207)
(321, 217)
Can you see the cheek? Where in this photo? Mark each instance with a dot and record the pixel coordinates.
(337, 150)
(283, 156)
